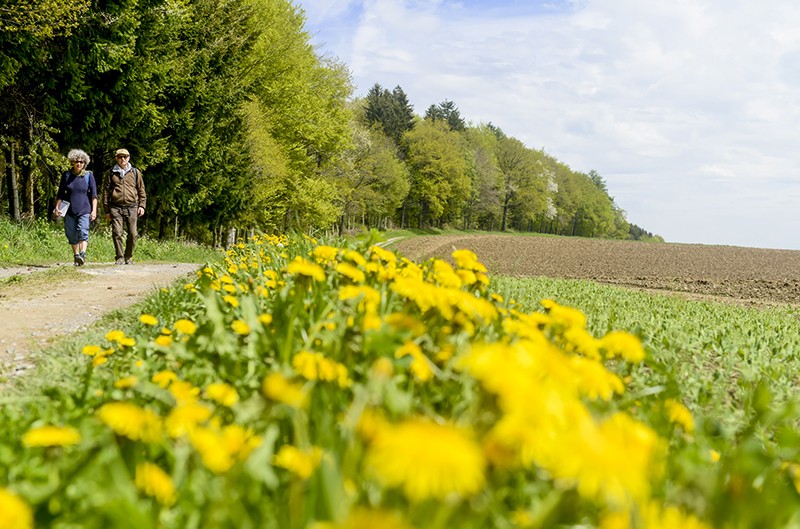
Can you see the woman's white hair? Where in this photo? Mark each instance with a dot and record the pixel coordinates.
(78, 154)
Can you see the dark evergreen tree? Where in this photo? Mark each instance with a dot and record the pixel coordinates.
(448, 112)
(391, 111)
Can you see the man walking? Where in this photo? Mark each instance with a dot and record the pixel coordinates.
(125, 200)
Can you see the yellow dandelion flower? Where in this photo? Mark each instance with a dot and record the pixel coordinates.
(164, 378)
(14, 512)
(302, 267)
(184, 326)
(239, 441)
(325, 254)
(624, 345)
(127, 342)
(300, 462)
(184, 391)
(594, 380)
(468, 277)
(614, 461)
(276, 387)
(91, 350)
(99, 360)
(126, 382)
(444, 274)
(566, 316)
(51, 436)
(209, 443)
(714, 456)
(230, 289)
(163, 340)
(154, 482)
(240, 327)
(115, 335)
(148, 319)
(427, 460)
(355, 257)
(467, 260)
(376, 253)
(265, 318)
(369, 297)
(420, 365)
(679, 414)
(231, 300)
(351, 272)
(131, 421)
(222, 393)
(184, 417)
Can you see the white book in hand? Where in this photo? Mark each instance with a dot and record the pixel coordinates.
(63, 208)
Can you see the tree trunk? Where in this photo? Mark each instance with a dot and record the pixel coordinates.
(13, 191)
(26, 175)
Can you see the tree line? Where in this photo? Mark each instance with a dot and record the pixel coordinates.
(236, 120)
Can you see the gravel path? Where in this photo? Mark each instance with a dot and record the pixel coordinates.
(32, 319)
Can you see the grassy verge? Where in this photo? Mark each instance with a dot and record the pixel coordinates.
(40, 242)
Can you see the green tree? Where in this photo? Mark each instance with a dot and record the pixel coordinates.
(484, 207)
(390, 111)
(523, 184)
(448, 112)
(371, 180)
(440, 184)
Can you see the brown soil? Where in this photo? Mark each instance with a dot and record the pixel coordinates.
(751, 276)
(35, 312)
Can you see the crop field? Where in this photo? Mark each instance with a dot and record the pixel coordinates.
(751, 276)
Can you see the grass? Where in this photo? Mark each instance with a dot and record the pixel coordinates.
(41, 242)
(717, 352)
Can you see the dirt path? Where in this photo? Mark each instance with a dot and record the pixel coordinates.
(31, 319)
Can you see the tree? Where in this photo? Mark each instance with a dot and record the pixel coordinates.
(522, 176)
(484, 207)
(390, 111)
(448, 112)
(440, 185)
(371, 180)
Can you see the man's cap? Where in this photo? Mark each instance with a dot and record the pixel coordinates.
(123, 152)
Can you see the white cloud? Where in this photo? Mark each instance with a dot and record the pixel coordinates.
(688, 109)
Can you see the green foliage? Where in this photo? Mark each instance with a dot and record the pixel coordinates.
(440, 181)
(370, 179)
(448, 112)
(389, 111)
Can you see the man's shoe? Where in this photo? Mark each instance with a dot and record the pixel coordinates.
(83, 256)
(129, 261)
(120, 261)
(79, 260)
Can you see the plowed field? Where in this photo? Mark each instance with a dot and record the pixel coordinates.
(751, 276)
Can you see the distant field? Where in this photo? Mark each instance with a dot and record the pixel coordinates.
(751, 276)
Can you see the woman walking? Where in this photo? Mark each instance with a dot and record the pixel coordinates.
(76, 201)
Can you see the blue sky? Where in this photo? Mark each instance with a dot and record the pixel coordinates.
(689, 109)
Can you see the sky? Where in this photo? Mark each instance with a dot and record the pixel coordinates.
(689, 109)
